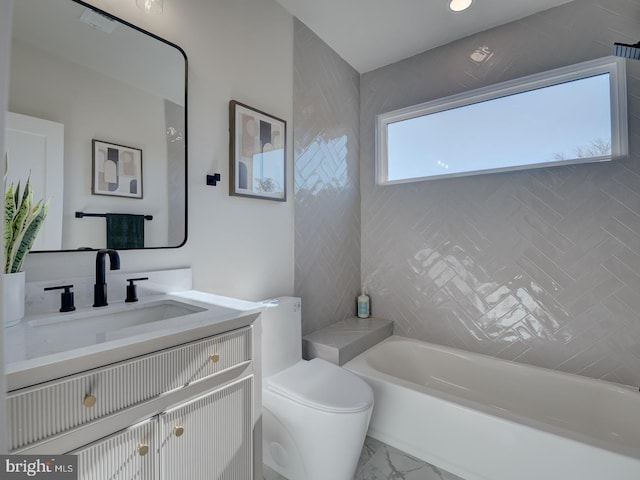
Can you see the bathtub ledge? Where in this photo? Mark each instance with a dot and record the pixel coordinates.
(342, 341)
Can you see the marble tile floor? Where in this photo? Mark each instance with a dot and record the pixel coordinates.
(379, 461)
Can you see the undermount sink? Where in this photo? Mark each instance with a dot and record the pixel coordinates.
(108, 319)
(68, 331)
(63, 332)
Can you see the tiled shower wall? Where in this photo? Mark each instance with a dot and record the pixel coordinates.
(327, 173)
(539, 266)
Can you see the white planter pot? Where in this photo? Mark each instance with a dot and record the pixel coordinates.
(13, 298)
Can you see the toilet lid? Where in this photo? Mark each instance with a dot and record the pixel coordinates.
(323, 386)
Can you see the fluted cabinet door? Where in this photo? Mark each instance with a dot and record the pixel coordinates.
(130, 454)
(209, 438)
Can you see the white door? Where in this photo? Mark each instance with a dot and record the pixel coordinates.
(36, 146)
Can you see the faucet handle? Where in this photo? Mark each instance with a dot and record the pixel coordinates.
(66, 297)
(132, 295)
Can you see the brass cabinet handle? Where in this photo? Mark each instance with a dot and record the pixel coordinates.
(143, 449)
(214, 357)
(178, 430)
(89, 401)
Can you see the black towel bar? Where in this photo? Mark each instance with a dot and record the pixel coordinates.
(83, 214)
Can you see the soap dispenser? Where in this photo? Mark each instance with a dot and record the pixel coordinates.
(363, 305)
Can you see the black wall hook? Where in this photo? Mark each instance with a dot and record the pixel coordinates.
(213, 179)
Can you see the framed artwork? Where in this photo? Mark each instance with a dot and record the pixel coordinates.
(257, 154)
(117, 170)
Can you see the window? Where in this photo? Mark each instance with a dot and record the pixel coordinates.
(570, 115)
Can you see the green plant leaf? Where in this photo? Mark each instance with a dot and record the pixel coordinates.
(29, 235)
(23, 221)
(9, 213)
(19, 224)
(23, 207)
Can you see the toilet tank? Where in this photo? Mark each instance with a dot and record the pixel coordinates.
(281, 334)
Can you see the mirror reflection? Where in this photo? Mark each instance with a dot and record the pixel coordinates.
(98, 119)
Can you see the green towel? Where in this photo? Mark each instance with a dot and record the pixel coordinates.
(125, 231)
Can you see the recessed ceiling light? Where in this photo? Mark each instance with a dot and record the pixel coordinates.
(459, 5)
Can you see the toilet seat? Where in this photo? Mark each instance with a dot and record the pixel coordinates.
(323, 386)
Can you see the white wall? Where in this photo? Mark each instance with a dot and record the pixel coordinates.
(5, 44)
(237, 49)
(92, 106)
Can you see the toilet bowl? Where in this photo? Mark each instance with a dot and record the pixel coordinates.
(315, 414)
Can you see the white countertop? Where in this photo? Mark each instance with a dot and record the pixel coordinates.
(35, 354)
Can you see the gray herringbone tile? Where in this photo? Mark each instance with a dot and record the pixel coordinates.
(327, 198)
(539, 266)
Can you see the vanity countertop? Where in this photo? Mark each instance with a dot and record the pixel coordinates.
(41, 348)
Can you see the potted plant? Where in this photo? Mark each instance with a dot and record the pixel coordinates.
(22, 222)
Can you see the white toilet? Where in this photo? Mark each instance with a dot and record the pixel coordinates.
(315, 414)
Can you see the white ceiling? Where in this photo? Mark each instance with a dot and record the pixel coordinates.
(372, 33)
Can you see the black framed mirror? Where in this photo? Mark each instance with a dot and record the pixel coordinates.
(98, 119)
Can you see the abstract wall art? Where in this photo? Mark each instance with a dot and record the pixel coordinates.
(117, 170)
(257, 153)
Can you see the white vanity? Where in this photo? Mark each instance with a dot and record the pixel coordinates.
(169, 389)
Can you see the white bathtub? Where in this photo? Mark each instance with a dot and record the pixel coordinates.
(488, 419)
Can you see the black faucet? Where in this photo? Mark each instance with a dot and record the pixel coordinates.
(100, 288)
